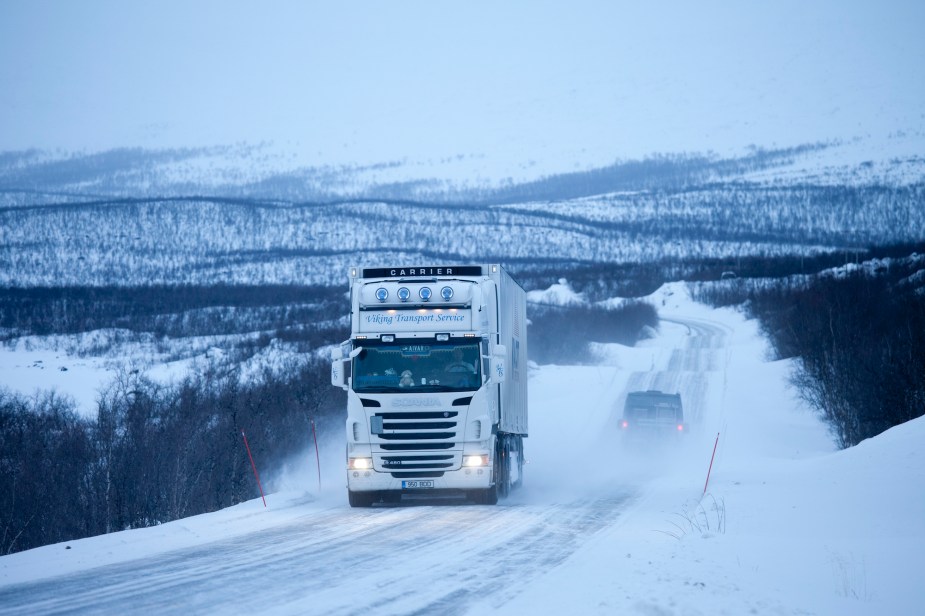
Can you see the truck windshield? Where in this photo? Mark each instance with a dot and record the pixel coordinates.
(399, 367)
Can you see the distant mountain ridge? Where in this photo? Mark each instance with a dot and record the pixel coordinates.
(261, 172)
(138, 217)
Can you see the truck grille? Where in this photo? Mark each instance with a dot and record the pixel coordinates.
(418, 436)
(415, 446)
(428, 426)
(408, 463)
(422, 415)
(417, 433)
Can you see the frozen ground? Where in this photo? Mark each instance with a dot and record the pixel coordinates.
(788, 525)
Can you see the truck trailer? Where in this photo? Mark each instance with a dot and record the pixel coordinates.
(435, 372)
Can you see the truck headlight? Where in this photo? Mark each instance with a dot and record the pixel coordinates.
(360, 464)
(479, 460)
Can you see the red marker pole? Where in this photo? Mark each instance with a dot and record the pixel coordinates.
(253, 466)
(711, 464)
(317, 456)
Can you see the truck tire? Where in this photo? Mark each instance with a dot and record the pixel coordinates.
(503, 478)
(488, 496)
(519, 442)
(360, 499)
(493, 493)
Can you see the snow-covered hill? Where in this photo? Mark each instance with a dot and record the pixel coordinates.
(208, 240)
(787, 525)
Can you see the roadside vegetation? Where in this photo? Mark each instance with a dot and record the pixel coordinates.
(856, 332)
(153, 453)
(157, 452)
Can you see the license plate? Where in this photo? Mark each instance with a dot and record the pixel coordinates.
(413, 485)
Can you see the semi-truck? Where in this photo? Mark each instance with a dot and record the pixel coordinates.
(435, 372)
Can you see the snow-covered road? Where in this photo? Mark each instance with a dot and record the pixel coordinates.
(430, 559)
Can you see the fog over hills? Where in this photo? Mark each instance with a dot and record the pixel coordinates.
(467, 94)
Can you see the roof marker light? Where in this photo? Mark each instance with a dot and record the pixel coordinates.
(446, 293)
(404, 294)
(382, 294)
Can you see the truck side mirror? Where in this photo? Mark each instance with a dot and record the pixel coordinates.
(338, 369)
(340, 366)
(498, 364)
(337, 374)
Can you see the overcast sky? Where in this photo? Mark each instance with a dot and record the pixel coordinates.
(342, 82)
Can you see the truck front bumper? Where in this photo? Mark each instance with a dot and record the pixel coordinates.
(375, 481)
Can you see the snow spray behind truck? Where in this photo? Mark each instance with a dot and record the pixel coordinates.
(436, 378)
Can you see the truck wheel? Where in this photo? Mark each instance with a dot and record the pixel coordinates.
(490, 495)
(361, 499)
(503, 478)
(520, 463)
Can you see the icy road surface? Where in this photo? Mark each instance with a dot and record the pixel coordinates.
(422, 557)
(418, 559)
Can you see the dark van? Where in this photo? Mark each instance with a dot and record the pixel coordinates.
(653, 412)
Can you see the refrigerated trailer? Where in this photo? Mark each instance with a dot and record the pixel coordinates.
(436, 377)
